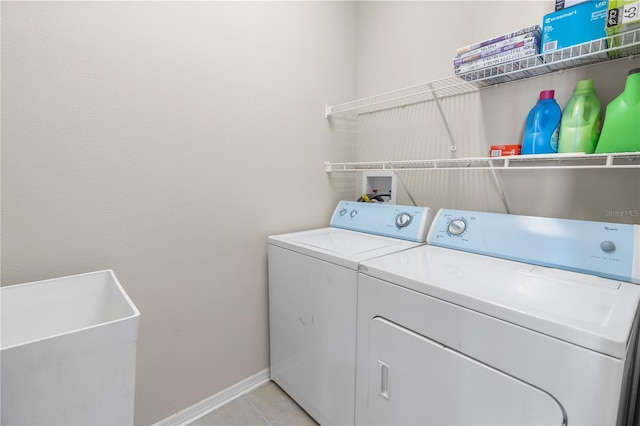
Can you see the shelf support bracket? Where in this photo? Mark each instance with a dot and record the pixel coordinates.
(403, 184)
(503, 195)
(453, 147)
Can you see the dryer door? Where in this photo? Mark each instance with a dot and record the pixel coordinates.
(415, 380)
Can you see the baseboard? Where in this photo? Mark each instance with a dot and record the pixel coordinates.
(206, 406)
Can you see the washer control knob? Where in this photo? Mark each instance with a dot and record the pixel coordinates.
(353, 213)
(403, 219)
(457, 226)
(343, 212)
(607, 246)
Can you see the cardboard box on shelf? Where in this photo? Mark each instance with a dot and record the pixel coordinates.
(532, 29)
(578, 24)
(622, 16)
(527, 38)
(504, 150)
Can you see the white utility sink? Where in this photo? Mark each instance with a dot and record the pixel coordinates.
(68, 351)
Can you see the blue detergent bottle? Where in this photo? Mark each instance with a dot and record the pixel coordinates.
(543, 126)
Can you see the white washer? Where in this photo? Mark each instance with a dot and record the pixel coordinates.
(501, 319)
(312, 300)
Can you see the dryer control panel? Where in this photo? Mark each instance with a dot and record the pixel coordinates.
(390, 220)
(609, 250)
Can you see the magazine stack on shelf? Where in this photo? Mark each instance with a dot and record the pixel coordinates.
(508, 47)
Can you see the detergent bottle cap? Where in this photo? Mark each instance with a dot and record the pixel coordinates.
(547, 94)
(634, 71)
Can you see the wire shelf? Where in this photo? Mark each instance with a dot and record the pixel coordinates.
(597, 51)
(625, 160)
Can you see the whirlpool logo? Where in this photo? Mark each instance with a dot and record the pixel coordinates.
(622, 213)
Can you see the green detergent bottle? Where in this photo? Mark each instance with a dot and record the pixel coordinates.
(581, 120)
(621, 129)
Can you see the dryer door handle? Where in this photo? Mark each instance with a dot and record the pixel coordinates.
(384, 380)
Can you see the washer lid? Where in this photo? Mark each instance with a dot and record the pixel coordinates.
(340, 246)
(592, 312)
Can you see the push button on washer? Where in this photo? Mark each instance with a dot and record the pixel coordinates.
(607, 246)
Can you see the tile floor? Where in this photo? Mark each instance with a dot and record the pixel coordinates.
(265, 405)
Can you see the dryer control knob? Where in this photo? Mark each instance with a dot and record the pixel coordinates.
(403, 219)
(353, 213)
(457, 227)
(607, 246)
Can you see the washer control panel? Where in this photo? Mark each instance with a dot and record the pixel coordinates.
(389, 220)
(610, 250)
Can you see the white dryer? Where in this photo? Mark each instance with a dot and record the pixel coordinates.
(312, 300)
(501, 319)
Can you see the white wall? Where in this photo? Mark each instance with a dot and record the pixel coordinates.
(166, 140)
(409, 43)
